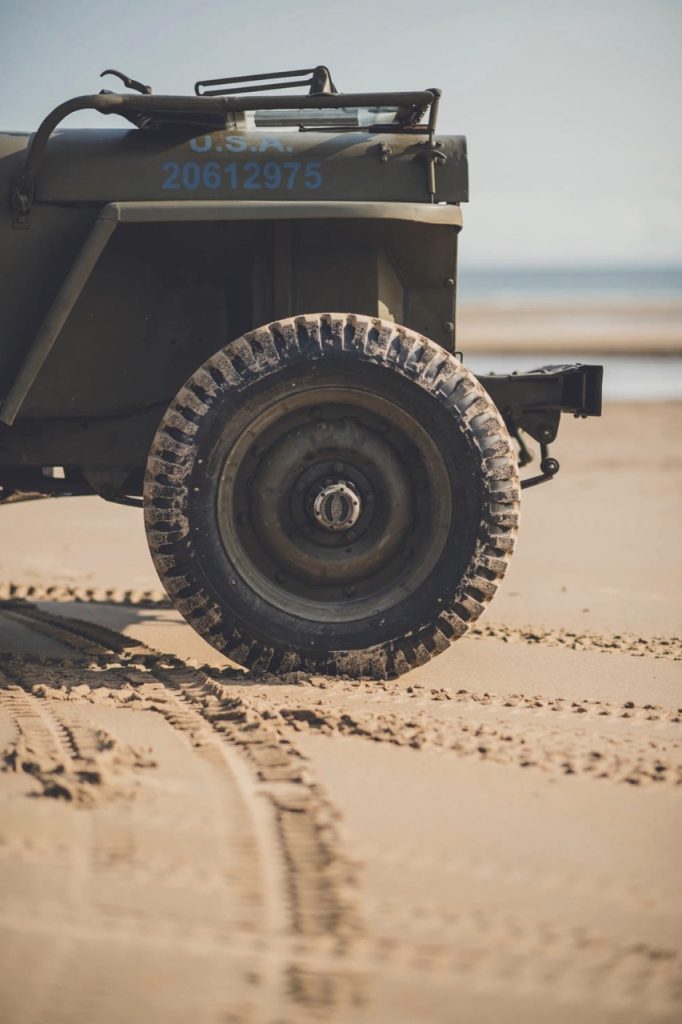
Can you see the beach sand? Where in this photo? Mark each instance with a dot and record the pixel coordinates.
(493, 837)
(636, 326)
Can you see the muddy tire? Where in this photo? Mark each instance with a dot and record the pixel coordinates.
(331, 493)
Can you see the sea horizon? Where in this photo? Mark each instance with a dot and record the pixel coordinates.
(595, 283)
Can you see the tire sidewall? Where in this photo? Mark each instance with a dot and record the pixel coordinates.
(190, 447)
(222, 578)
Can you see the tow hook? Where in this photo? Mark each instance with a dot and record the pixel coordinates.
(549, 467)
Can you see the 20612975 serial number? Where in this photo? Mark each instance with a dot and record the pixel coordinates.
(260, 172)
(253, 174)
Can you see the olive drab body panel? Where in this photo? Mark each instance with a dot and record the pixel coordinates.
(114, 165)
(190, 281)
(238, 312)
(128, 255)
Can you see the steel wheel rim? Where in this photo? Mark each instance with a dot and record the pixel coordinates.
(289, 452)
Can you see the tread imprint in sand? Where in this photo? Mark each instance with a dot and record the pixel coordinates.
(320, 880)
(71, 760)
(624, 757)
(668, 648)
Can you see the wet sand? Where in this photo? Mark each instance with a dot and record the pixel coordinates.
(624, 326)
(493, 837)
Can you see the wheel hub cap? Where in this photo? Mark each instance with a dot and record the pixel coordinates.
(337, 506)
(333, 503)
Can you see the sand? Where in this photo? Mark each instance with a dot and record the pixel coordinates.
(633, 327)
(493, 837)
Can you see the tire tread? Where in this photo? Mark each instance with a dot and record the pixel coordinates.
(264, 351)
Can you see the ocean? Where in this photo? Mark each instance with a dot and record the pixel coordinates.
(629, 319)
(542, 284)
(626, 378)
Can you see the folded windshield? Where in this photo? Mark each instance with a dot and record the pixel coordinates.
(346, 117)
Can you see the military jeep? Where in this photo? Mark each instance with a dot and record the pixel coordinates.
(238, 312)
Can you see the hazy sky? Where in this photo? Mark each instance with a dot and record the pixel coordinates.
(571, 107)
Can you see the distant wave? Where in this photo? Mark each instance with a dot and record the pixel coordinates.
(501, 284)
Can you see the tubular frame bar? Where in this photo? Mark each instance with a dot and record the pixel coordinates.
(56, 317)
(216, 106)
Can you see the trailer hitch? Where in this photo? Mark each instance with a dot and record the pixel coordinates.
(533, 403)
(549, 467)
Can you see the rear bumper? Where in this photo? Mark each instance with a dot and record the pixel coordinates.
(534, 401)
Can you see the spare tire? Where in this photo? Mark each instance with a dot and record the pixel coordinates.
(331, 493)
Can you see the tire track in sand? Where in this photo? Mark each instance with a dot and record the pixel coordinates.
(311, 884)
(636, 744)
(304, 818)
(618, 758)
(668, 648)
(472, 947)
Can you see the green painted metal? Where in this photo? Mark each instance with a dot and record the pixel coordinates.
(128, 256)
(190, 212)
